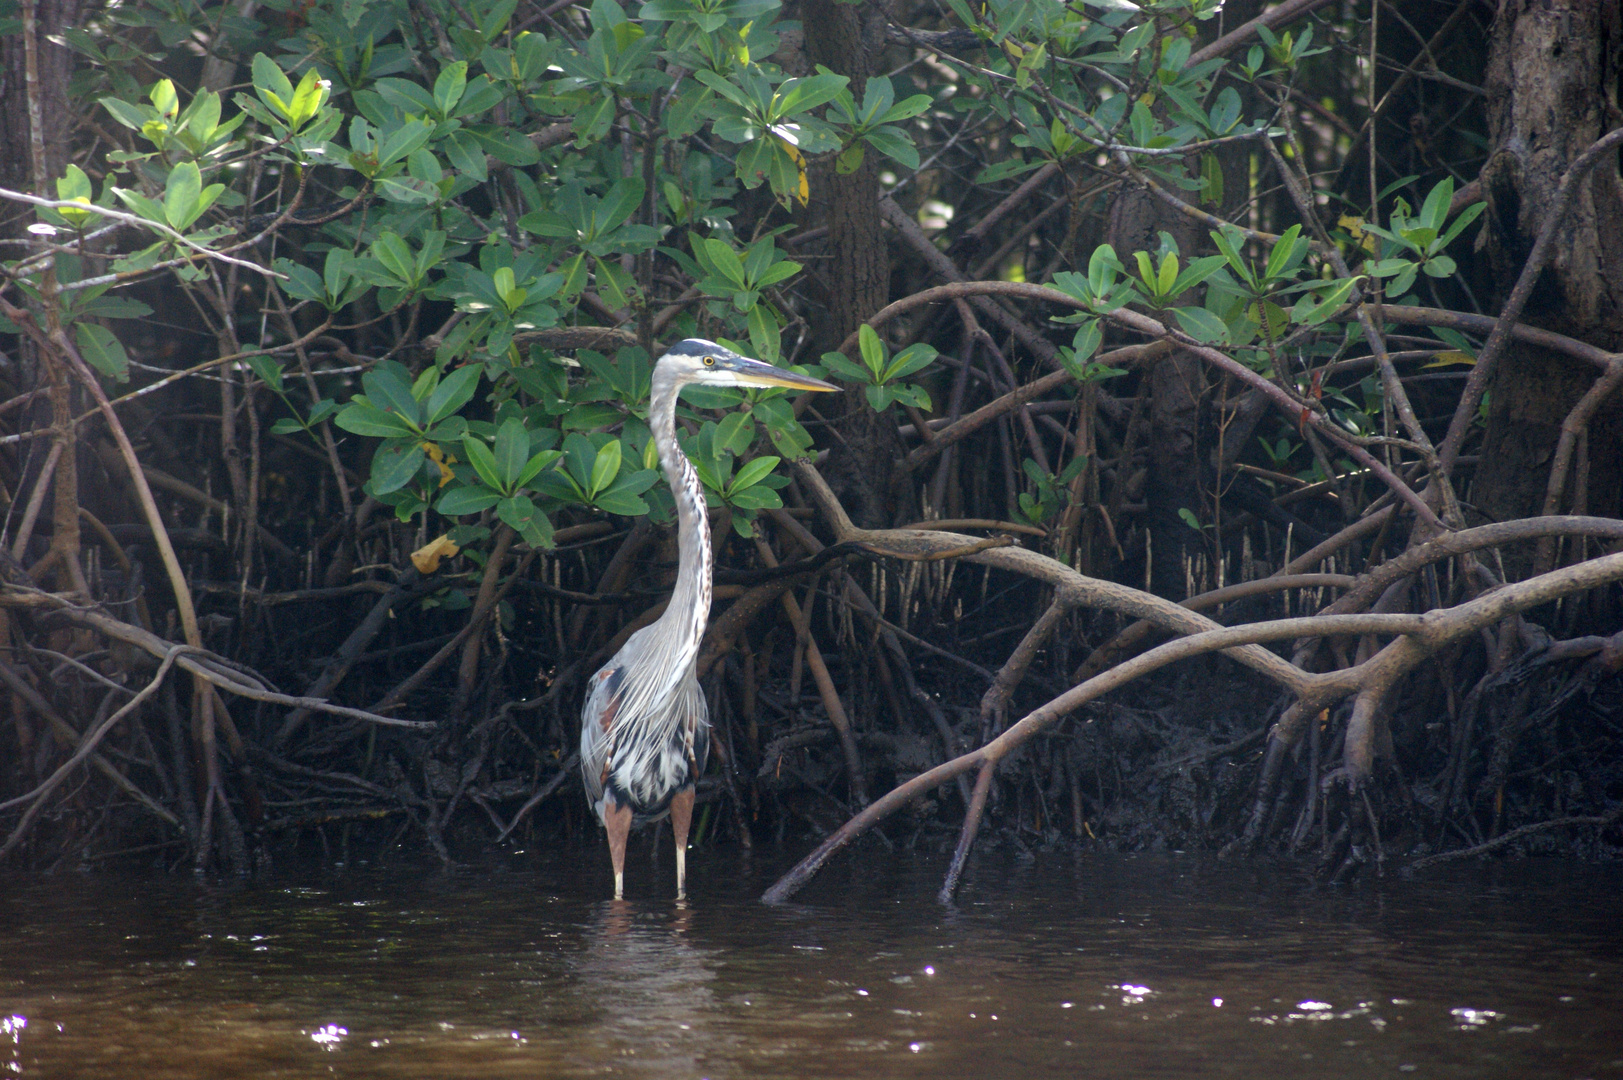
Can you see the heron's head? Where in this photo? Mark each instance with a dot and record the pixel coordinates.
(699, 361)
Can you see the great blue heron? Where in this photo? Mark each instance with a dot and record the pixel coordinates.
(645, 729)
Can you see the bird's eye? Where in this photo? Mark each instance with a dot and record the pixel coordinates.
(710, 361)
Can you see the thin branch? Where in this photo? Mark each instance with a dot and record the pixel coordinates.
(140, 222)
(1488, 358)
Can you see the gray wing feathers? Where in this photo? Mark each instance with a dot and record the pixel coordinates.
(596, 737)
(644, 739)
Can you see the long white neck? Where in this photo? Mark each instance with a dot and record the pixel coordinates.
(689, 609)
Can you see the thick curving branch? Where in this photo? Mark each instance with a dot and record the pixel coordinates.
(1078, 590)
(1419, 636)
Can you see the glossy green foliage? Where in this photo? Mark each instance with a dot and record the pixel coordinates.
(390, 163)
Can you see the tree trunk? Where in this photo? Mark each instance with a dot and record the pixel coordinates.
(1177, 385)
(55, 68)
(1552, 84)
(864, 461)
(29, 160)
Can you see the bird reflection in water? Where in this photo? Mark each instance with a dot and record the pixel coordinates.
(651, 985)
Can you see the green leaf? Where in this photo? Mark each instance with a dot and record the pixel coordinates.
(913, 359)
(764, 332)
(907, 108)
(726, 262)
(592, 122)
(466, 500)
(803, 95)
(410, 136)
(613, 283)
(752, 472)
(1283, 256)
(778, 271)
(466, 155)
(1228, 241)
(1146, 270)
(620, 203)
(914, 395)
(512, 451)
(395, 465)
(271, 85)
(735, 433)
(408, 97)
(361, 417)
(181, 193)
(1087, 341)
(307, 99)
(1455, 340)
(623, 497)
(838, 365)
(395, 257)
(75, 186)
(449, 86)
(453, 392)
(1311, 309)
(1003, 170)
(129, 115)
(1435, 209)
(527, 520)
(605, 468)
(268, 370)
(388, 387)
(755, 498)
(1201, 324)
(102, 350)
(1167, 277)
(1466, 216)
(894, 144)
(578, 456)
(408, 191)
(873, 351)
(114, 307)
(1197, 272)
(483, 462)
(533, 467)
(1439, 266)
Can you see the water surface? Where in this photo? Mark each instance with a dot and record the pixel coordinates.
(1059, 966)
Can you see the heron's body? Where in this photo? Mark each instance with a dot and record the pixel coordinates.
(645, 728)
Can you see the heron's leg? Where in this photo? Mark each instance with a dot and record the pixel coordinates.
(681, 818)
(617, 819)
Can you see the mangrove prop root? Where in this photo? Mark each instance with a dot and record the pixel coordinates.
(1415, 638)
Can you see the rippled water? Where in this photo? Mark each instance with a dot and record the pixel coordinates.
(1063, 966)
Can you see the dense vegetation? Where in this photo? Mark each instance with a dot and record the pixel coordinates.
(325, 338)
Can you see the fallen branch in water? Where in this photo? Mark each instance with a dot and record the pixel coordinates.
(1601, 820)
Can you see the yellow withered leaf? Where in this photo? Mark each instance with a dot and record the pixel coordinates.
(443, 460)
(427, 558)
(1355, 228)
(804, 190)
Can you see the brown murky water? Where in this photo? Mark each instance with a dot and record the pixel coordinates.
(1062, 966)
